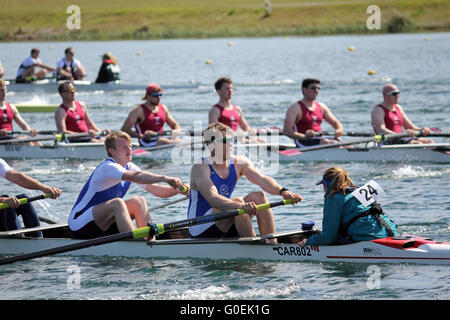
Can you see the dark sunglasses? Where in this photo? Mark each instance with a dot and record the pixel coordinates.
(223, 140)
(393, 93)
(156, 94)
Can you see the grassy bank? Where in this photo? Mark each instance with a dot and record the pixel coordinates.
(45, 20)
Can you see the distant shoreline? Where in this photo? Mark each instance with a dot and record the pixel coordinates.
(196, 19)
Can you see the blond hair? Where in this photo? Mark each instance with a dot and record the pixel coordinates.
(215, 130)
(340, 178)
(111, 139)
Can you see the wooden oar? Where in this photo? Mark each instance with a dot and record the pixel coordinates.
(26, 200)
(150, 231)
(376, 138)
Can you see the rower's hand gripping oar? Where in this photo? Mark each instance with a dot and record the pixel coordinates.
(139, 233)
(158, 229)
(26, 200)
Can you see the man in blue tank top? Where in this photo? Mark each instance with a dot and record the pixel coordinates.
(213, 182)
(100, 208)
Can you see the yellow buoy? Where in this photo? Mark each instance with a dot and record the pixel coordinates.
(138, 53)
(230, 44)
(371, 72)
(208, 61)
(351, 48)
(427, 39)
(51, 47)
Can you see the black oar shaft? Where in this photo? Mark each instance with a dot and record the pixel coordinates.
(67, 248)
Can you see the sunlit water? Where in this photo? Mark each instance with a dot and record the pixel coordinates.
(267, 74)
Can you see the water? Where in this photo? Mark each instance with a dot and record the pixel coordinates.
(267, 74)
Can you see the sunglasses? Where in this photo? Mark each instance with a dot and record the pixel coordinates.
(156, 94)
(324, 182)
(223, 140)
(71, 90)
(393, 93)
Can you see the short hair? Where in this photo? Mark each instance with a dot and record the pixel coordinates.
(219, 83)
(306, 82)
(213, 130)
(35, 50)
(69, 50)
(61, 86)
(2, 83)
(111, 139)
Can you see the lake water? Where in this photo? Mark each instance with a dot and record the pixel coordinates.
(267, 75)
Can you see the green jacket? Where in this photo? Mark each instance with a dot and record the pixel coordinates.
(338, 210)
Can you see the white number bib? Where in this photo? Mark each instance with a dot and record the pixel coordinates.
(368, 193)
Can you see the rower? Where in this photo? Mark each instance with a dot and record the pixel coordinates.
(109, 70)
(229, 114)
(72, 116)
(69, 68)
(8, 113)
(146, 121)
(345, 218)
(100, 208)
(212, 184)
(303, 118)
(26, 71)
(9, 217)
(389, 117)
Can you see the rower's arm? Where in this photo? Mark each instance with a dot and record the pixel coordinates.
(292, 116)
(147, 178)
(332, 120)
(89, 122)
(213, 115)
(24, 181)
(45, 66)
(171, 122)
(130, 122)
(60, 120)
(201, 181)
(266, 183)
(407, 124)
(19, 120)
(378, 121)
(243, 124)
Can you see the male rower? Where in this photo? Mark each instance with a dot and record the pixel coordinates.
(212, 184)
(27, 70)
(389, 117)
(303, 118)
(69, 68)
(100, 208)
(9, 217)
(72, 116)
(8, 113)
(146, 121)
(227, 113)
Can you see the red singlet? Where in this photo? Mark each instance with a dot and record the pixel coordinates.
(393, 119)
(229, 117)
(6, 117)
(152, 121)
(310, 120)
(75, 119)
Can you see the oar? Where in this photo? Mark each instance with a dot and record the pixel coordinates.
(376, 138)
(168, 204)
(46, 132)
(55, 137)
(369, 134)
(26, 200)
(138, 233)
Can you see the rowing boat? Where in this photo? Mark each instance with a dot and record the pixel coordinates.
(178, 245)
(270, 152)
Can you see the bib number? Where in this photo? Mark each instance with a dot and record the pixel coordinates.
(368, 193)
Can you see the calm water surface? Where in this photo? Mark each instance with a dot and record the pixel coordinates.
(267, 74)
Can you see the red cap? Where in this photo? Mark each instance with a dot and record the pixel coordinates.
(153, 87)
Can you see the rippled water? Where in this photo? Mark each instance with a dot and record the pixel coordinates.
(266, 74)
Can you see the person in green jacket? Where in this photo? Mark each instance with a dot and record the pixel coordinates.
(345, 218)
